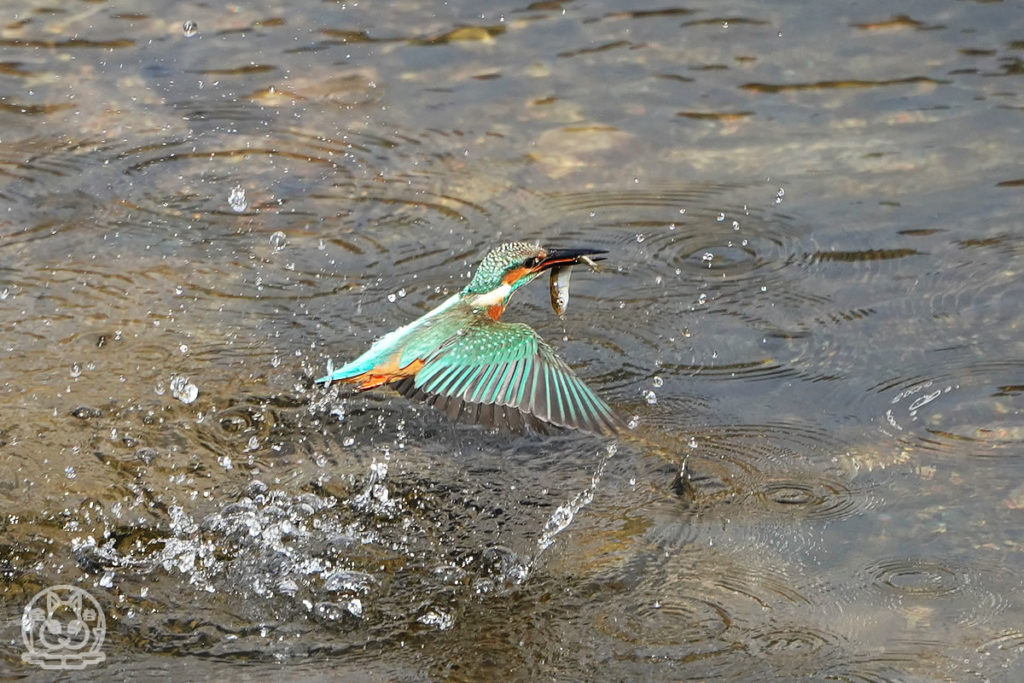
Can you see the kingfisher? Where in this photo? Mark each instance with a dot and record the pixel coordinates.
(460, 359)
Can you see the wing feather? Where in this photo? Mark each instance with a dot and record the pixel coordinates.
(507, 381)
(439, 378)
(571, 398)
(542, 394)
(504, 375)
(558, 396)
(494, 383)
(478, 392)
(509, 395)
(529, 390)
(461, 379)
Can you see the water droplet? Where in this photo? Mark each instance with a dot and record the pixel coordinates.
(650, 397)
(437, 619)
(721, 217)
(237, 199)
(183, 390)
(159, 389)
(657, 382)
(76, 370)
(392, 298)
(225, 462)
(189, 28)
(254, 443)
(725, 24)
(640, 237)
(702, 299)
(183, 348)
(4, 293)
(275, 361)
(707, 257)
(693, 442)
(278, 240)
(634, 422)
(348, 441)
(402, 292)
(735, 225)
(69, 471)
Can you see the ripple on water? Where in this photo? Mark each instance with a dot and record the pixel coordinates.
(811, 496)
(928, 592)
(1009, 641)
(298, 180)
(697, 606)
(769, 446)
(670, 623)
(756, 487)
(970, 410)
(688, 235)
(691, 261)
(796, 650)
(167, 205)
(906, 576)
(732, 460)
(245, 426)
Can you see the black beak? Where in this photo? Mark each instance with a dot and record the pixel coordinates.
(561, 257)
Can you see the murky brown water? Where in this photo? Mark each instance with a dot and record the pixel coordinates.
(811, 308)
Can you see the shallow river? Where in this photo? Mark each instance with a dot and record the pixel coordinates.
(810, 316)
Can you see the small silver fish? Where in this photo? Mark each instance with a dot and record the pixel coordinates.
(559, 285)
(559, 288)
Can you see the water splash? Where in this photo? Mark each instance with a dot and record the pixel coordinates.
(562, 517)
(183, 389)
(437, 618)
(236, 200)
(375, 495)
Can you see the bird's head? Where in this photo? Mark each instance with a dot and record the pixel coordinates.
(514, 264)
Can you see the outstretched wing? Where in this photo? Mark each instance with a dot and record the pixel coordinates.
(504, 375)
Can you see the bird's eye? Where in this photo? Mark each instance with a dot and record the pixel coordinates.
(530, 262)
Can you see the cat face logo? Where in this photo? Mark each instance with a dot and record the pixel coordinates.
(63, 628)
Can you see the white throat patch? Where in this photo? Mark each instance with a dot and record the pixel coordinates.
(495, 297)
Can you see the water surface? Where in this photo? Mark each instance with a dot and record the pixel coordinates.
(810, 314)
